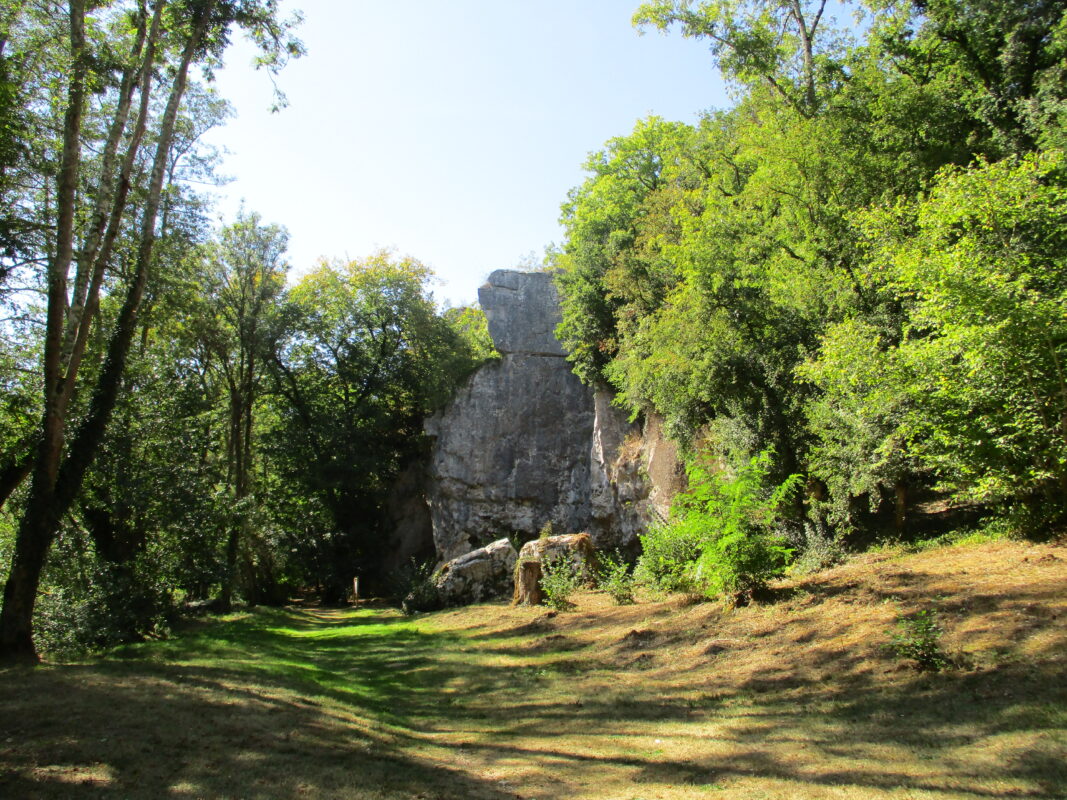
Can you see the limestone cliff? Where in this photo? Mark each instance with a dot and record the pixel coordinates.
(525, 443)
(512, 450)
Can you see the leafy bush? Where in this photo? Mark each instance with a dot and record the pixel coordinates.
(559, 580)
(719, 539)
(117, 604)
(415, 585)
(667, 555)
(740, 563)
(818, 548)
(615, 578)
(919, 638)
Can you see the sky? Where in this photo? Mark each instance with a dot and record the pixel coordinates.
(447, 130)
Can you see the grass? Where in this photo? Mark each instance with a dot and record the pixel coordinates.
(796, 698)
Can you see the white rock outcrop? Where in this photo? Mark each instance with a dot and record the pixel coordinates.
(525, 443)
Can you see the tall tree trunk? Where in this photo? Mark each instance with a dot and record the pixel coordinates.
(34, 539)
(242, 399)
(105, 190)
(238, 476)
(112, 192)
(56, 481)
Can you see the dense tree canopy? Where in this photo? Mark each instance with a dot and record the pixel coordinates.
(857, 267)
(176, 422)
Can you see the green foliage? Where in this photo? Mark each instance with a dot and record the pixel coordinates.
(760, 41)
(416, 588)
(859, 447)
(616, 578)
(668, 552)
(365, 359)
(776, 278)
(559, 581)
(817, 549)
(89, 603)
(720, 539)
(973, 387)
(472, 327)
(918, 638)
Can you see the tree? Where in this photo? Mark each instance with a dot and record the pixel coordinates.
(366, 359)
(1004, 59)
(240, 324)
(172, 35)
(610, 272)
(784, 44)
(981, 262)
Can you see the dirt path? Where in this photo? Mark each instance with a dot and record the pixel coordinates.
(798, 698)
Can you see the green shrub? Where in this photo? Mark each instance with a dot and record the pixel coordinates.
(414, 584)
(117, 604)
(615, 578)
(739, 563)
(919, 638)
(559, 580)
(818, 549)
(667, 555)
(719, 539)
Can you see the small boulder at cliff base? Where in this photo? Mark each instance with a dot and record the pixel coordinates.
(482, 574)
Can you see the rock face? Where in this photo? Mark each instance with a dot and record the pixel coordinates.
(522, 310)
(524, 443)
(481, 574)
(635, 472)
(512, 450)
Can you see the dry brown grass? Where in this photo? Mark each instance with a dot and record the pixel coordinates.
(794, 698)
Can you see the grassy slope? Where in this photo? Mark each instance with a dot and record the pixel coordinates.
(796, 698)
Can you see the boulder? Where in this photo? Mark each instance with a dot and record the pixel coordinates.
(482, 574)
(576, 548)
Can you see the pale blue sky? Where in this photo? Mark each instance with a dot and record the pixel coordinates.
(450, 130)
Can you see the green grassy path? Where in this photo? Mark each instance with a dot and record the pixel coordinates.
(279, 703)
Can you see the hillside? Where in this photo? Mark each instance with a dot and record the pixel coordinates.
(794, 698)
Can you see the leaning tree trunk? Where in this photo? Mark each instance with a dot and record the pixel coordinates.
(56, 480)
(93, 257)
(34, 537)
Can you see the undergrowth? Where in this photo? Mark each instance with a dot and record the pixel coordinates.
(559, 581)
(616, 578)
(918, 639)
(721, 536)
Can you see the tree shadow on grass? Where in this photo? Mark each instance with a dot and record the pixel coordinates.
(304, 703)
(243, 709)
(419, 683)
